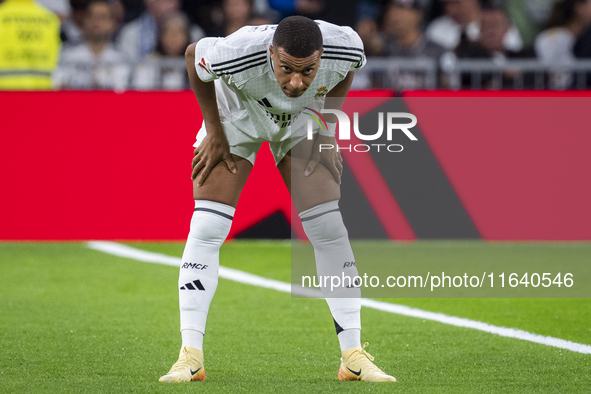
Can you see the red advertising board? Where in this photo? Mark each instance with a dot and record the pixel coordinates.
(106, 165)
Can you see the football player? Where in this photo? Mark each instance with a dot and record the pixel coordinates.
(251, 86)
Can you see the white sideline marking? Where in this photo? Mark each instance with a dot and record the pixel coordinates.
(255, 280)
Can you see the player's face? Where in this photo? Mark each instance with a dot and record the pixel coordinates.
(294, 74)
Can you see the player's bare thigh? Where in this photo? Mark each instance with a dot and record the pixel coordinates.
(307, 191)
(223, 186)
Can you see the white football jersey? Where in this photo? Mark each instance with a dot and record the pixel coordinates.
(248, 94)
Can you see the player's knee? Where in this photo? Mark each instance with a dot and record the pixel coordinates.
(329, 229)
(324, 225)
(208, 232)
(210, 224)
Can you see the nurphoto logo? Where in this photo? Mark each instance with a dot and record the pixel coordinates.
(391, 120)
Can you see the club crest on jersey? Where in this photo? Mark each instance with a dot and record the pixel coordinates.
(203, 64)
(321, 92)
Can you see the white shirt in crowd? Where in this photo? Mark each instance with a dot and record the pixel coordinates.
(139, 37)
(555, 46)
(160, 73)
(447, 33)
(79, 68)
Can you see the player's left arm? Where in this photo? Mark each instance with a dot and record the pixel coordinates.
(331, 158)
(341, 89)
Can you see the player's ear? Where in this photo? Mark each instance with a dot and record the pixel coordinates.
(271, 50)
(320, 51)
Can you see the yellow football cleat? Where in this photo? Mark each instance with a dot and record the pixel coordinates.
(356, 364)
(188, 368)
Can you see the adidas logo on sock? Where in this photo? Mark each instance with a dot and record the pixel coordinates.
(189, 286)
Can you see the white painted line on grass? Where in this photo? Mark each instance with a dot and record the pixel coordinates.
(255, 280)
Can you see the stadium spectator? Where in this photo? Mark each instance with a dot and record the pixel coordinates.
(118, 11)
(401, 31)
(529, 16)
(368, 30)
(29, 45)
(173, 39)
(462, 19)
(494, 25)
(139, 37)
(569, 20)
(95, 63)
(72, 26)
(234, 15)
(401, 37)
(209, 15)
(555, 45)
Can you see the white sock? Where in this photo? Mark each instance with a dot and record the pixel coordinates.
(198, 278)
(326, 231)
(349, 339)
(192, 338)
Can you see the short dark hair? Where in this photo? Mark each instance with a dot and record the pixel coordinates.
(298, 36)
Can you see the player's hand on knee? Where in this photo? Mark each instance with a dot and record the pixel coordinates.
(208, 154)
(330, 158)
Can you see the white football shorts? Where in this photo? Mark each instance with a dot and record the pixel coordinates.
(246, 146)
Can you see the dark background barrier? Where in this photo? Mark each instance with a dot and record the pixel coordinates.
(105, 165)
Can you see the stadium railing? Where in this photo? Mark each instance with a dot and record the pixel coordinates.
(400, 73)
(453, 73)
(558, 76)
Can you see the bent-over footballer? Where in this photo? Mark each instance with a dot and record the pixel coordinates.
(251, 86)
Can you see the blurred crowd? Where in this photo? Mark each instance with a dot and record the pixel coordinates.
(140, 44)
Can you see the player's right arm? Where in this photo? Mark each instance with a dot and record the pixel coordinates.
(214, 148)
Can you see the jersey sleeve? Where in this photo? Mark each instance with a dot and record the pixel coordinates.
(343, 48)
(230, 56)
(205, 50)
(357, 44)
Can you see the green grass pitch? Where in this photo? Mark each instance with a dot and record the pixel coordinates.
(78, 320)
